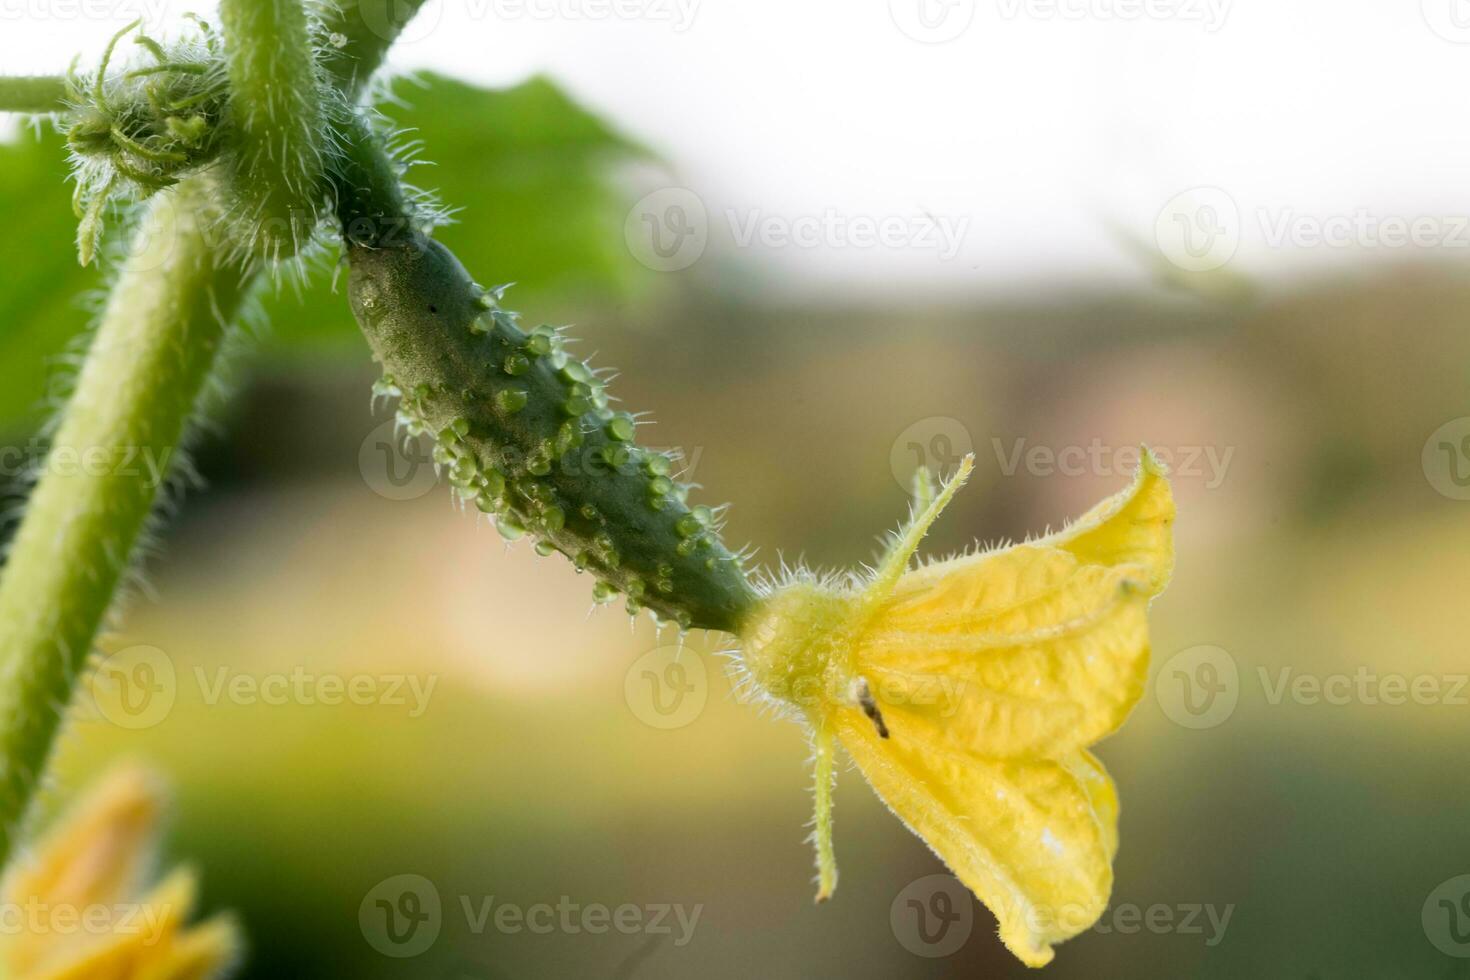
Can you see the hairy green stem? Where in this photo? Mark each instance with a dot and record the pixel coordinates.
(160, 333)
(38, 94)
(143, 376)
(279, 113)
(359, 33)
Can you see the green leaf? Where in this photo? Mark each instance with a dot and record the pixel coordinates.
(526, 170)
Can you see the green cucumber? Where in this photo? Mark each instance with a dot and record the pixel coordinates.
(523, 428)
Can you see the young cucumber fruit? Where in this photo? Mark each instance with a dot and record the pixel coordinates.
(524, 431)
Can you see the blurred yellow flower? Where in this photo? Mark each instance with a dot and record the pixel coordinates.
(968, 690)
(72, 910)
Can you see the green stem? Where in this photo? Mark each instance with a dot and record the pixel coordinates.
(362, 31)
(37, 94)
(159, 336)
(279, 112)
(149, 362)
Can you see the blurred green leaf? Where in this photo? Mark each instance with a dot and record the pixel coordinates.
(526, 170)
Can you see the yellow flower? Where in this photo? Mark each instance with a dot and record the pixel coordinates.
(72, 911)
(968, 690)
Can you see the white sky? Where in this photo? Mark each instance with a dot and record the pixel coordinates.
(1037, 123)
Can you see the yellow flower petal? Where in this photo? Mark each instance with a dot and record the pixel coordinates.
(78, 888)
(98, 852)
(205, 951)
(968, 690)
(1133, 528)
(1035, 650)
(1025, 652)
(1034, 840)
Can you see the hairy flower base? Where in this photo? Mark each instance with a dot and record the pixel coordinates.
(968, 690)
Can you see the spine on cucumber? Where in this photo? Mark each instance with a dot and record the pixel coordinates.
(523, 429)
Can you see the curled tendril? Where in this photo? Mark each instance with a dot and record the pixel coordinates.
(138, 131)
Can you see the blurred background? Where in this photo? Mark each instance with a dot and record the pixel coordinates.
(826, 244)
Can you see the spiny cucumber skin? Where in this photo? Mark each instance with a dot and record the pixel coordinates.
(279, 120)
(512, 408)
